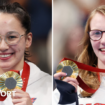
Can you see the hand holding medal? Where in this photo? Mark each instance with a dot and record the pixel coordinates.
(8, 82)
(12, 81)
(68, 67)
(67, 71)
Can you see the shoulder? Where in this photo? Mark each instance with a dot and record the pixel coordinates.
(34, 67)
(37, 74)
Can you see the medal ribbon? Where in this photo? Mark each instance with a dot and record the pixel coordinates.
(24, 76)
(88, 68)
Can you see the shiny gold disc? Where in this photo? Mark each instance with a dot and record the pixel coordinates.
(67, 63)
(8, 75)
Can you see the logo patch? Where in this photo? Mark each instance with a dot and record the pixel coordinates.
(33, 100)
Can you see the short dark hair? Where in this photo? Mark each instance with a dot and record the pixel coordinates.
(21, 14)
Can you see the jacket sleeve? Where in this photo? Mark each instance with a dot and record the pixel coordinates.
(64, 94)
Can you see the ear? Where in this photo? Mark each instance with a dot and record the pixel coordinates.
(28, 40)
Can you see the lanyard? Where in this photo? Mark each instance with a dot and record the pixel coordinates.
(24, 76)
(88, 68)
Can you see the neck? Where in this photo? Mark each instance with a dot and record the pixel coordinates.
(18, 66)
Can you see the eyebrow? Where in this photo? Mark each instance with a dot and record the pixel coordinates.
(96, 30)
(12, 32)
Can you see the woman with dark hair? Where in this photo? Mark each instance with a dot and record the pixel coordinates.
(93, 54)
(15, 39)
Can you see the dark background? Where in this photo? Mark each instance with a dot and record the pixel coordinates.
(41, 22)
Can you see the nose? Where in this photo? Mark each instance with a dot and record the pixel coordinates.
(3, 45)
(103, 38)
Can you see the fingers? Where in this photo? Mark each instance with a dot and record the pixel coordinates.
(18, 104)
(69, 79)
(18, 94)
(21, 98)
(73, 84)
(60, 74)
(18, 91)
(15, 101)
(72, 81)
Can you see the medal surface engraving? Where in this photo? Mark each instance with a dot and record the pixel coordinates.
(68, 67)
(10, 81)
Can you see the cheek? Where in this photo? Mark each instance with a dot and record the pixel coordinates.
(19, 49)
(95, 46)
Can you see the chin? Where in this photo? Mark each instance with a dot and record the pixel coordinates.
(101, 60)
(6, 66)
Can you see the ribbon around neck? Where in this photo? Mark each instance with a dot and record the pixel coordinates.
(24, 76)
(88, 68)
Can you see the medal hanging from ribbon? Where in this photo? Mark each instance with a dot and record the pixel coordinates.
(70, 67)
(12, 80)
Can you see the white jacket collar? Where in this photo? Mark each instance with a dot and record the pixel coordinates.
(35, 73)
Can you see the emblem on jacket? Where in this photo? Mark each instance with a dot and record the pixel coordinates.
(33, 100)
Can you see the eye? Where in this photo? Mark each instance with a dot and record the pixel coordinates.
(11, 37)
(97, 32)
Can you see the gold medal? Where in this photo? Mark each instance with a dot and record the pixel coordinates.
(68, 67)
(10, 81)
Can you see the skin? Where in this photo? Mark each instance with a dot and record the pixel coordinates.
(98, 23)
(8, 22)
(69, 80)
(21, 98)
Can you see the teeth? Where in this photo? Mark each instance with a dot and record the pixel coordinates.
(102, 49)
(5, 55)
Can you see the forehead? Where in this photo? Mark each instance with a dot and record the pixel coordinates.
(9, 22)
(8, 18)
(98, 22)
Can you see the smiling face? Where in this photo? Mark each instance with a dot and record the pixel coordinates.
(98, 23)
(12, 56)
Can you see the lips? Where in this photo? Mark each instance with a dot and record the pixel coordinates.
(102, 50)
(5, 56)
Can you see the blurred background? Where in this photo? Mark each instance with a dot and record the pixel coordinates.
(41, 24)
(69, 19)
